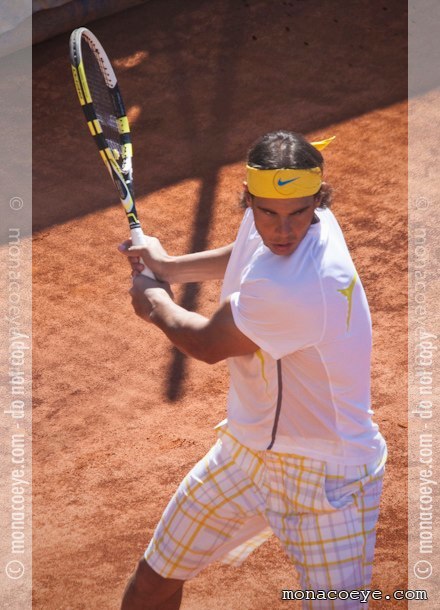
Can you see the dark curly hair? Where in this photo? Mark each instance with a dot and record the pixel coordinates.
(287, 150)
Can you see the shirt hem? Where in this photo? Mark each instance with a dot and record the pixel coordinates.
(363, 455)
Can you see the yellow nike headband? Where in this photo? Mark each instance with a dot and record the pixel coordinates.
(286, 183)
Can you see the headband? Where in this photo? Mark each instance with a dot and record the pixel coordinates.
(286, 183)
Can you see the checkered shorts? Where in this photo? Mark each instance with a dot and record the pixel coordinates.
(235, 498)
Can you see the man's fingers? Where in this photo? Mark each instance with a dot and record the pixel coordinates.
(134, 261)
(125, 246)
(133, 253)
(135, 250)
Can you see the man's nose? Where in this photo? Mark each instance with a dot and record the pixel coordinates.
(284, 226)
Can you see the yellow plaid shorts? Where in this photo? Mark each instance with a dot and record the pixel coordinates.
(235, 498)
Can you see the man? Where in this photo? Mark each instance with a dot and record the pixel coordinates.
(298, 455)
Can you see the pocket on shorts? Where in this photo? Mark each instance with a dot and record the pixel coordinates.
(348, 485)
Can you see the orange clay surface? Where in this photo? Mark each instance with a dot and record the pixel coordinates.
(119, 416)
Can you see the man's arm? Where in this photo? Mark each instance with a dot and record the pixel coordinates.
(199, 266)
(208, 339)
(196, 267)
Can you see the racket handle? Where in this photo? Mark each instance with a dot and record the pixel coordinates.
(138, 239)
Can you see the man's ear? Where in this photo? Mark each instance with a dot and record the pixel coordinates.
(318, 198)
(247, 197)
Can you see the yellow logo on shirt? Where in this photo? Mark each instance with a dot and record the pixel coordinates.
(348, 294)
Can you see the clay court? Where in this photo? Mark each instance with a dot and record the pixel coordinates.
(119, 416)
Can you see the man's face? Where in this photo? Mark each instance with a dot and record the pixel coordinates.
(283, 223)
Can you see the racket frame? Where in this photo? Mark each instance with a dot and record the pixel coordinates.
(121, 174)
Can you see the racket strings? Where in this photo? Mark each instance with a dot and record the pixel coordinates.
(102, 102)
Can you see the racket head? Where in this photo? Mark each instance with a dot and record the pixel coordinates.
(101, 100)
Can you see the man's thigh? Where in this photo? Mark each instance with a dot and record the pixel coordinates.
(216, 508)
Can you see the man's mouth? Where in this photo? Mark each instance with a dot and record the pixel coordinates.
(282, 248)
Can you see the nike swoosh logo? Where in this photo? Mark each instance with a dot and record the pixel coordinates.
(284, 182)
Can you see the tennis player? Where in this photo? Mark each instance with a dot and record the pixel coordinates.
(298, 455)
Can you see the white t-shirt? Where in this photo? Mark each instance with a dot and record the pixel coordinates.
(307, 389)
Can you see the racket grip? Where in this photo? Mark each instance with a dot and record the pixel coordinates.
(138, 239)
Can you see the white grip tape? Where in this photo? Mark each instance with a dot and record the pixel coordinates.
(139, 239)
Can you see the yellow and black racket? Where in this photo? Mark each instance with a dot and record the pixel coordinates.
(102, 103)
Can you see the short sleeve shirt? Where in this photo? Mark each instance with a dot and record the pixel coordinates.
(307, 389)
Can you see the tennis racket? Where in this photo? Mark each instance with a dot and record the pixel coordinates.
(103, 107)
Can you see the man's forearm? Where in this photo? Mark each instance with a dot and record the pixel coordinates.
(183, 328)
(207, 339)
(199, 266)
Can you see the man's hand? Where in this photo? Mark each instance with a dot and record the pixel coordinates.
(146, 293)
(152, 253)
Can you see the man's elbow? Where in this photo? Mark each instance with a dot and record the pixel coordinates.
(206, 353)
(211, 357)
(210, 352)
